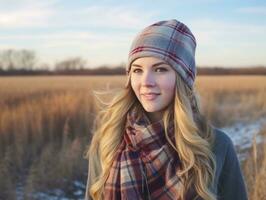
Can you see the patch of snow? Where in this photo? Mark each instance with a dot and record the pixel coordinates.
(79, 184)
(242, 134)
(19, 191)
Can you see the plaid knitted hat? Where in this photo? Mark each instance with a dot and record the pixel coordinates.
(171, 41)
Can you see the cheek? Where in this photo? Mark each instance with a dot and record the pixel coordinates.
(169, 84)
(135, 86)
(168, 89)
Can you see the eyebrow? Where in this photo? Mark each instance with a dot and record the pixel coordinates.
(154, 65)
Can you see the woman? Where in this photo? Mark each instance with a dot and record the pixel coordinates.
(151, 141)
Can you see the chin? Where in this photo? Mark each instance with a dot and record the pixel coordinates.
(151, 109)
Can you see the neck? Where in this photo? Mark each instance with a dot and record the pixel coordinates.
(155, 116)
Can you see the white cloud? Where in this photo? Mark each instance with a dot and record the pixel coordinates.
(25, 13)
(105, 17)
(211, 32)
(25, 18)
(29, 13)
(228, 43)
(260, 10)
(68, 36)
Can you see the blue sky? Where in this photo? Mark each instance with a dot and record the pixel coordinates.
(229, 33)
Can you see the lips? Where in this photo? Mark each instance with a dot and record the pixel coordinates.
(150, 96)
(150, 93)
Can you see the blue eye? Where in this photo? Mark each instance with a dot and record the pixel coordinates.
(136, 70)
(161, 69)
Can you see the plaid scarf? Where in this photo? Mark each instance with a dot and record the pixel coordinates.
(145, 165)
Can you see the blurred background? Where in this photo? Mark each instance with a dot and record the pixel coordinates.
(54, 54)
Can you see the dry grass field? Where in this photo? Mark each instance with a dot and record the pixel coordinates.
(45, 126)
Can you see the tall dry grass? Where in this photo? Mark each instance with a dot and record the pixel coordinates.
(228, 99)
(39, 137)
(45, 126)
(254, 167)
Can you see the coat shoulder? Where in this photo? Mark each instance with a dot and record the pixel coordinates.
(222, 142)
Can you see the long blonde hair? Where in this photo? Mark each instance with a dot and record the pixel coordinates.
(193, 139)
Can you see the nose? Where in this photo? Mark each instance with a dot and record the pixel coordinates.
(148, 79)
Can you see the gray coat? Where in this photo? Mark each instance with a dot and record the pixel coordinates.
(229, 181)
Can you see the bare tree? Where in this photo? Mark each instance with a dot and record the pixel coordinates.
(26, 59)
(7, 59)
(76, 63)
(11, 59)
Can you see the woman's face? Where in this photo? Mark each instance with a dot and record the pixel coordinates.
(153, 82)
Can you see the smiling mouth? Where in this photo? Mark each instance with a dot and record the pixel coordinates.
(150, 96)
(150, 93)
